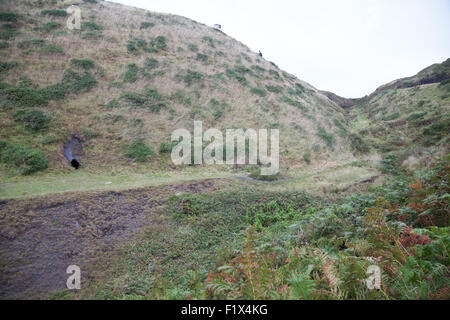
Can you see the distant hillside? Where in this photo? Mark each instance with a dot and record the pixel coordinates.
(409, 117)
(130, 77)
(340, 101)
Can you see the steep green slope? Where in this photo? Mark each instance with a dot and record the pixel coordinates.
(130, 77)
(409, 117)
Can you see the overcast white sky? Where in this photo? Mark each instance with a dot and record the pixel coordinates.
(349, 47)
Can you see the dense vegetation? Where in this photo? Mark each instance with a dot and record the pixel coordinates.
(290, 245)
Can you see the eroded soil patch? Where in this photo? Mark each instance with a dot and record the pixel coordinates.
(41, 237)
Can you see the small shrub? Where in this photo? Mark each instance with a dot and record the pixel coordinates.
(33, 120)
(202, 57)
(92, 26)
(328, 138)
(159, 44)
(293, 103)
(209, 41)
(275, 89)
(9, 16)
(52, 49)
(191, 77)
(275, 74)
(28, 159)
(5, 66)
(416, 116)
(131, 47)
(151, 63)
(131, 74)
(166, 147)
(83, 63)
(33, 43)
(149, 98)
(54, 13)
(307, 158)
(8, 34)
(193, 47)
(146, 25)
(77, 83)
(50, 26)
(138, 151)
(4, 45)
(259, 92)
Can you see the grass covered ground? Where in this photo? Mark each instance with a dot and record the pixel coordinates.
(250, 243)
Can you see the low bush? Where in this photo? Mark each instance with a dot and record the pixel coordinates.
(149, 98)
(259, 92)
(29, 160)
(138, 151)
(83, 63)
(166, 147)
(33, 120)
(54, 13)
(131, 74)
(8, 65)
(146, 25)
(328, 138)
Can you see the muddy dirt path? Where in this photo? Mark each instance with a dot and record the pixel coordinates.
(41, 237)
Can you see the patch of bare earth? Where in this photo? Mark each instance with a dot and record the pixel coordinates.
(41, 237)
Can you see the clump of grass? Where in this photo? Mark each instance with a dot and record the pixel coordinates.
(416, 116)
(259, 92)
(146, 25)
(4, 45)
(328, 138)
(307, 158)
(258, 68)
(8, 33)
(151, 63)
(358, 144)
(9, 16)
(83, 63)
(91, 35)
(209, 41)
(238, 74)
(392, 117)
(131, 74)
(166, 147)
(181, 97)
(54, 13)
(193, 47)
(294, 103)
(275, 74)
(274, 89)
(114, 103)
(149, 98)
(138, 151)
(32, 43)
(190, 77)
(159, 43)
(256, 174)
(28, 159)
(202, 57)
(33, 120)
(26, 95)
(52, 49)
(8, 65)
(49, 27)
(92, 26)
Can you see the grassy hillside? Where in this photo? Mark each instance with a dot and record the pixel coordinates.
(406, 118)
(130, 77)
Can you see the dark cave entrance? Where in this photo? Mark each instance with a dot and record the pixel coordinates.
(75, 163)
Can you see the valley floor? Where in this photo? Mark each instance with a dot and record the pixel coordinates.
(198, 235)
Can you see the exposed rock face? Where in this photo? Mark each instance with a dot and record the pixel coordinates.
(342, 102)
